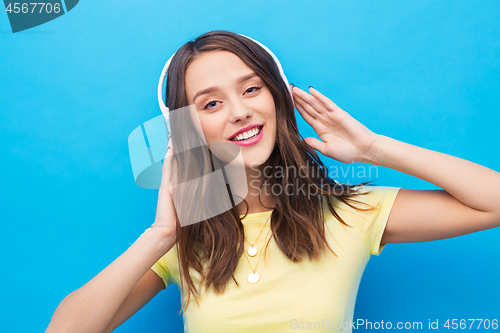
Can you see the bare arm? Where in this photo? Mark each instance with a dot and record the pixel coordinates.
(470, 195)
(468, 201)
(147, 288)
(114, 294)
(92, 307)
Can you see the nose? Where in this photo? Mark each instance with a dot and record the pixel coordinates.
(239, 111)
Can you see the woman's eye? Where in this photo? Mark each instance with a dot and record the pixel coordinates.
(211, 103)
(256, 88)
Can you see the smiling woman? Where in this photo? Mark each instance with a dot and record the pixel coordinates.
(240, 98)
(305, 238)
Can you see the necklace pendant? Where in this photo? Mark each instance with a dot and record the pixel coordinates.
(252, 251)
(253, 277)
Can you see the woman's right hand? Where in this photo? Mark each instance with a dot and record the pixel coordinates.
(165, 220)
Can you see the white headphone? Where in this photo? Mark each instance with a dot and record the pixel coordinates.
(165, 110)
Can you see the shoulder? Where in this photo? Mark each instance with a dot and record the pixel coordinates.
(368, 200)
(367, 212)
(167, 267)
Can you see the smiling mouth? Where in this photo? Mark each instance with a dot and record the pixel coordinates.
(250, 134)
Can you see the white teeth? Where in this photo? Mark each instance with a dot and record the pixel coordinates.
(248, 134)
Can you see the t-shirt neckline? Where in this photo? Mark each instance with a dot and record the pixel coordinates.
(255, 215)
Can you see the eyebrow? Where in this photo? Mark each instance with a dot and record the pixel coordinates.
(212, 89)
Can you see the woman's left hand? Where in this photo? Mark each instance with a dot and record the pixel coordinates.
(342, 137)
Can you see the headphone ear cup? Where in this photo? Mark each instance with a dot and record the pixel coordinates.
(165, 110)
(166, 116)
(167, 125)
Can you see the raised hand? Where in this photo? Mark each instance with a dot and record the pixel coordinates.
(342, 137)
(165, 220)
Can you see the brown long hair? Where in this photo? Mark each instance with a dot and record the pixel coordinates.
(214, 246)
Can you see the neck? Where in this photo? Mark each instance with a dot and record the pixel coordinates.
(254, 180)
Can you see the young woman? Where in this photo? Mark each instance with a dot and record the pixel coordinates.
(294, 249)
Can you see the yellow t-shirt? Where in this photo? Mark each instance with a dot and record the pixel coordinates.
(313, 295)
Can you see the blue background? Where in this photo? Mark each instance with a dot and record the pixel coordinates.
(72, 90)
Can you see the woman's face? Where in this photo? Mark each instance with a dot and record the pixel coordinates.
(233, 104)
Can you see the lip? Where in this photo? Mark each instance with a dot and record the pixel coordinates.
(252, 141)
(244, 129)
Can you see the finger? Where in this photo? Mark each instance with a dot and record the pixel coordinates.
(169, 153)
(170, 148)
(167, 168)
(310, 110)
(310, 100)
(323, 99)
(307, 117)
(306, 108)
(316, 144)
(166, 176)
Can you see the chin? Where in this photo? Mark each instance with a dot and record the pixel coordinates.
(255, 159)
